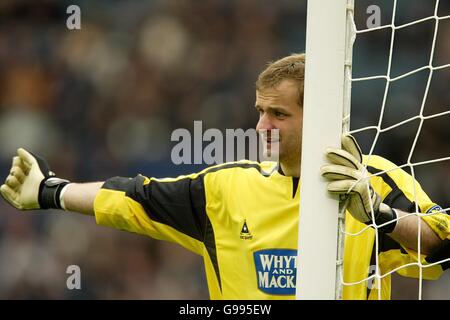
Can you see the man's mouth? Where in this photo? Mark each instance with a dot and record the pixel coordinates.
(270, 137)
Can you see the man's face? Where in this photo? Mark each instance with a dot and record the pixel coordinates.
(278, 108)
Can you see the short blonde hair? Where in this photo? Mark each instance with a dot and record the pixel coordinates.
(291, 67)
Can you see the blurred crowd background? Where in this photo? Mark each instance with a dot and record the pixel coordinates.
(102, 101)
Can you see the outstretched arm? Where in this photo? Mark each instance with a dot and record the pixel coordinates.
(172, 210)
(79, 197)
(32, 185)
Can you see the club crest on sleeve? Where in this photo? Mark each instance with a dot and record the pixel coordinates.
(434, 208)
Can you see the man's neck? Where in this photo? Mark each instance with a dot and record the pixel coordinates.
(292, 170)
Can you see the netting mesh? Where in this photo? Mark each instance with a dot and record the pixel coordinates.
(420, 118)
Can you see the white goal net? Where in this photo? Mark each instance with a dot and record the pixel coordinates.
(408, 40)
(396, 71)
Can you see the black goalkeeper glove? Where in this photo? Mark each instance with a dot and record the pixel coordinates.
(31, 184)
(350, 181)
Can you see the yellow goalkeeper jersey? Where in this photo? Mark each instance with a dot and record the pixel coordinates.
(242, 218)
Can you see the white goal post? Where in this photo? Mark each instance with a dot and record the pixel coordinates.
(326, 100)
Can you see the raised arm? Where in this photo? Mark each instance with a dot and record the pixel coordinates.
(32, 185)
(350, 181)
(407, 229)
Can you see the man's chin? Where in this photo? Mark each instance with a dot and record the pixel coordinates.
(271, 153)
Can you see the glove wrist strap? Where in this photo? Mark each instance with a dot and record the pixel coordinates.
(50, 191)
(386, 214)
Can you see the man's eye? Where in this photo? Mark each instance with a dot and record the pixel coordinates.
(279, 114)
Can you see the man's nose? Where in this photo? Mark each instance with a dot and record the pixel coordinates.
(265, 123)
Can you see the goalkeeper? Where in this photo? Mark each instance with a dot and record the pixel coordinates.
(242, 217)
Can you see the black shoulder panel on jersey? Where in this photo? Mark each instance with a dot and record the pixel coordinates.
(179, 204)
(396, 198)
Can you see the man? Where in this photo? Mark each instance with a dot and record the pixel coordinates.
(242, 217)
